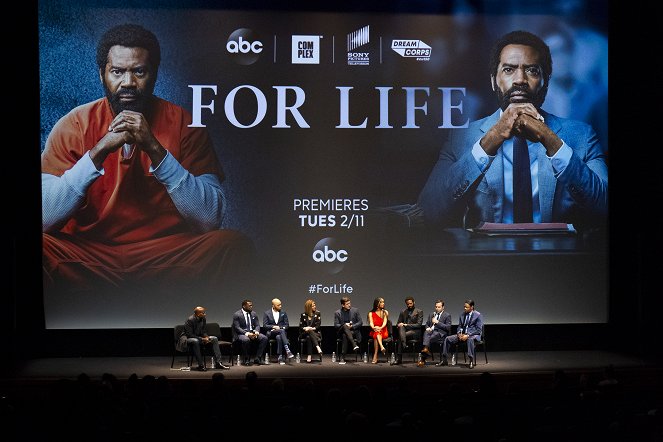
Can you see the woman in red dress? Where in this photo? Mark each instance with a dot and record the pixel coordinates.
(377, 319)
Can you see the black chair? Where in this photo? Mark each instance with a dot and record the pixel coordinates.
(177, 332)
(389, 343)
(480, 344)
(339, 343)
(303, 339)
(271, 344)
(414, 343)
(212, 329)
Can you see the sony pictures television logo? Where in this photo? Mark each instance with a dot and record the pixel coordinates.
(330, 255)
(358, 54)
(412, 49)
(306, 49)
(244, 46)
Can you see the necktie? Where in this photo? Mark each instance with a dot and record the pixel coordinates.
(522, 182)
(248, 321)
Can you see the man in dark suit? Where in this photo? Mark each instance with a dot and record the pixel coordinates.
(409, 325)
(438, 326)
(470, 325)
(246, 330)
(348, 323)
(478, 176)
(195, 335)
(275, 323)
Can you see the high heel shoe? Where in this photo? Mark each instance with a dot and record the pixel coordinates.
(384, 351)
(320, 354)
(374, 361)
(308, 359)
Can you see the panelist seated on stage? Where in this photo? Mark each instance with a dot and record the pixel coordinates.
(520, 164)
(194, 336)
(470, 325)
(408, 326)
(275, 324)
(310, 323)
(348, 323)
(378, 320)
(246, 331)
(438, 326)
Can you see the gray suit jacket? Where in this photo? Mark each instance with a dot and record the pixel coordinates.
(457, 194)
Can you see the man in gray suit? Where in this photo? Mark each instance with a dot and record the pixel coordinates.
(478, 175)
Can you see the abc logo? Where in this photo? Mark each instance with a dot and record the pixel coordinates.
(244, 46)
(330, 255)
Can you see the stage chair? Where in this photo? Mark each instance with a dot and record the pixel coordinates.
(214, 329)
(388, 342)
(339, 343)
(303, 340)
(414, 343)
(272, 344)
(177, 331)
(478, 345)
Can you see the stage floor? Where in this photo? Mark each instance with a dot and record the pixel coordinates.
(499, 363)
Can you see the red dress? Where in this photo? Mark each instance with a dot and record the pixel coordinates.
(377, 322)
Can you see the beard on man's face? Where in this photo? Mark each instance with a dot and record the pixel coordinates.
(521, 94)
(140, 103)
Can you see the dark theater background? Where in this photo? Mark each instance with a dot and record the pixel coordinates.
(572, 348)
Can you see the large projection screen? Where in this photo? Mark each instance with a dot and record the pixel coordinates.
(327, 126)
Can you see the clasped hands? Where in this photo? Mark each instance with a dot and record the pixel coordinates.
(523, 120)
(128, 127)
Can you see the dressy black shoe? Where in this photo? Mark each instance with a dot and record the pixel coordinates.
(220, 366)
(442, 363)
(200, 368)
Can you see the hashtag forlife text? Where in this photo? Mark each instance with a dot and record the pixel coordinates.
(333, 288)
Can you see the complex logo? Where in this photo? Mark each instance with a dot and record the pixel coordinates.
(412, 49)
(356, 40)
(244, 46)
(305, 49)
(328, 253)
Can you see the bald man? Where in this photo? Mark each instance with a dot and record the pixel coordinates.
(196, 335)
(275, 323)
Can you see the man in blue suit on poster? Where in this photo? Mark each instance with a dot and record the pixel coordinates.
(520, 164)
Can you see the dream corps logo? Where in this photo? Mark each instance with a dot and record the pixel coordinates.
(329, 254)
(412, 49)
(243, 46)
(356, 55)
